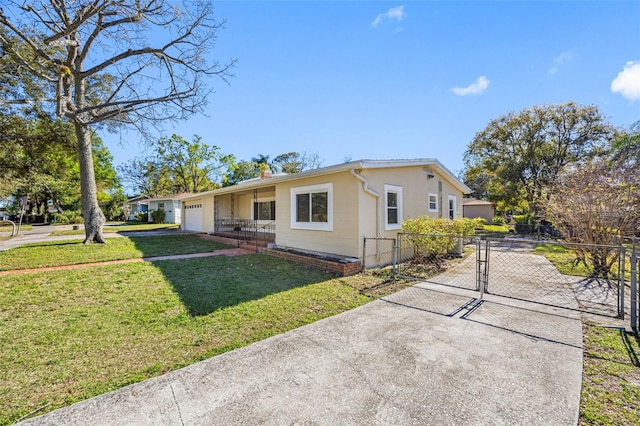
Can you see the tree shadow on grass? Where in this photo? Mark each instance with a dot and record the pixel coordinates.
(206, 285)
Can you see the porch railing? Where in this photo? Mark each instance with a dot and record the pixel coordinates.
(246, 229)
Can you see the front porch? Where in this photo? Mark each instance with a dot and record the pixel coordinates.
(246, 230)
(246, 216)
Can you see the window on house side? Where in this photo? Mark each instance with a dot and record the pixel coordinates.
(393, 204)
(433, 202)
(452, 206)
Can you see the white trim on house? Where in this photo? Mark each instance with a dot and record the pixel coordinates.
(433, 164)
(433, 203)
(311, 225)
(452, 207)
(261, 200)
(397, 190)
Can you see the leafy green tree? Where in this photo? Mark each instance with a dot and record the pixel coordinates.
(38, 158)
(294, 162)
(177, 165)
(237, 172)
(192, 166)
(105, 62)
(146, 176)
(519, 156)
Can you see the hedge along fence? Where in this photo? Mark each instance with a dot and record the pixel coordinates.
(438, 238)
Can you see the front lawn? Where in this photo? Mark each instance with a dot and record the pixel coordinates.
(121, 227)
(57, 253)
(71, 335)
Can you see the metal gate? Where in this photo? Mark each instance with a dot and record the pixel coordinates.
(551, 273)
(582, 277)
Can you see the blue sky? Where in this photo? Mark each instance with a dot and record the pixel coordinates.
(412, 79)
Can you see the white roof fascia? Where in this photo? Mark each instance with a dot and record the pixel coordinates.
(361, 164)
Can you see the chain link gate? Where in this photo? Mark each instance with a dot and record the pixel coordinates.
(550, 273)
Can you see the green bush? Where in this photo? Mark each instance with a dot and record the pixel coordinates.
(67, 218)
(157, 216)
(142, 217)
(434, 238)
(525, 219)
(499, 220)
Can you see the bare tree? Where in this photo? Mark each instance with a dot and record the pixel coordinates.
(595, 204)
(109, 62)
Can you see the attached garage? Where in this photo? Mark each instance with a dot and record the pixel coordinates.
(192, 215)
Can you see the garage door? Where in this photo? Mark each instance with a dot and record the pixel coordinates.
(193, 216)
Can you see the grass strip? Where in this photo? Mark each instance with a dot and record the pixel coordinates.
(73, 252)
(611, 377)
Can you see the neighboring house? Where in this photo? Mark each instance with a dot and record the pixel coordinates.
(137, 204)
(473, 208)
(171, 205)
(331, 209)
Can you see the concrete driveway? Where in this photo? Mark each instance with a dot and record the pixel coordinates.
(428, 355)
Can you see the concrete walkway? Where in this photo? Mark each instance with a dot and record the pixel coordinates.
(428, 355)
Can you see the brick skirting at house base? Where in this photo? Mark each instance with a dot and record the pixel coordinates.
(343, 269)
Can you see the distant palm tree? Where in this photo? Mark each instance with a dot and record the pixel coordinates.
(264, 159)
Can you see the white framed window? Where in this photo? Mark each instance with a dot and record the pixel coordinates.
(433, 202)
(264, 209)
(312, 207)
(452, 207)
(393, 207)
(160, 206)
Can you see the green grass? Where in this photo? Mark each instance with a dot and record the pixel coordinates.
(71, 335)
(57, 253)
(611, 377)
(496, 228)
(564, 259)
(7, 228)
(120, 227)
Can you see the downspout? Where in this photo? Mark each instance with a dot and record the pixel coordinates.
(365, 188)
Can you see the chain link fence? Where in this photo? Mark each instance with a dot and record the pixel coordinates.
(575, 276)
(444, 259)
(596, 279)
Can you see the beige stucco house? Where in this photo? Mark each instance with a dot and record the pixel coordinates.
(331, 209)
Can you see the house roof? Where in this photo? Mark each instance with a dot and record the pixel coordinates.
(432, 163)
(169, 197)
(137, 198)
(475, 202)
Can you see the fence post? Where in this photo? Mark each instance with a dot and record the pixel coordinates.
(634, 291)
(364, 255)
(623, 257)
(394, 258)
(478, 269)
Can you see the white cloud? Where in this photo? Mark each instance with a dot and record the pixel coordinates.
(627, 83)
(476, 88)
(563, 58)
(395, 13)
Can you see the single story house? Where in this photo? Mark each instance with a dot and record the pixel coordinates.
(473, 208)
(172, 206)
(330, 209)
(137, 204)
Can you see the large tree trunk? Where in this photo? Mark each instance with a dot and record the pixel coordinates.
(94, 219)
